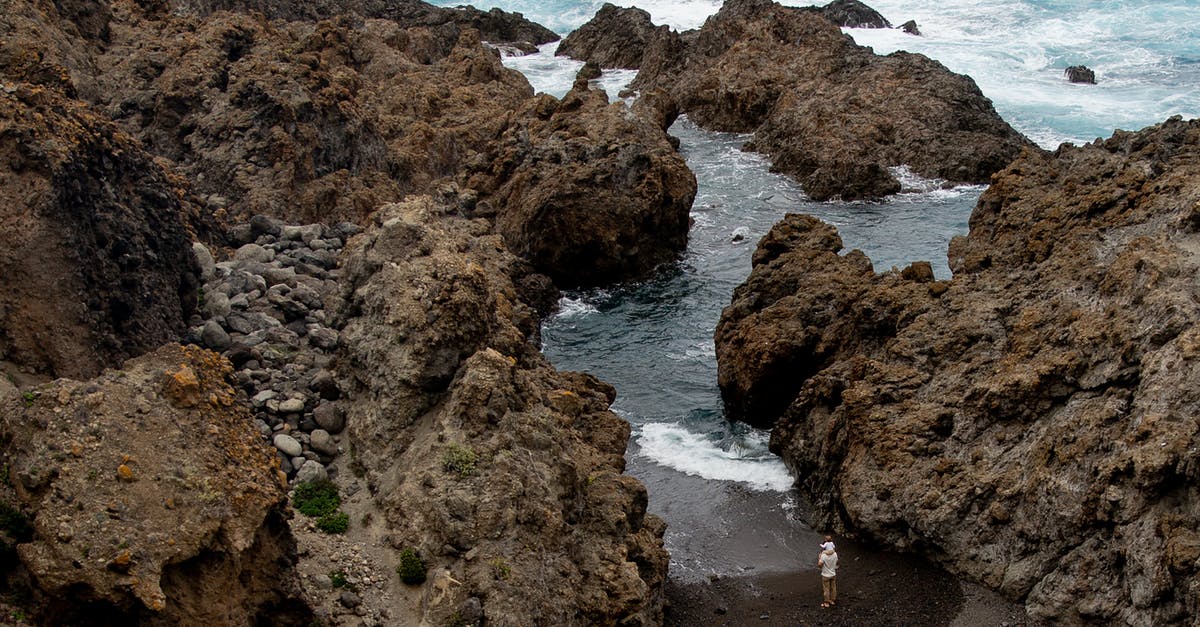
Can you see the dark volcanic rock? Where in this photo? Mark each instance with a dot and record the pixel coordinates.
(96, 254)
(910, 27)
(504, 474)
(828, 112)
(495, 26)
(1030, 423)
(853, 14)
(147, 492)
(614, 38)
(1080, 74)
(589, 192)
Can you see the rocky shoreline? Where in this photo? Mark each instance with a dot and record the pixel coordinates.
(275, 279)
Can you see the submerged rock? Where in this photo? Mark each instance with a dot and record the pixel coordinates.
(828, 112)
(1030, 424)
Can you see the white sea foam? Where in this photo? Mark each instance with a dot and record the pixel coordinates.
(746, 460)
(574, 307)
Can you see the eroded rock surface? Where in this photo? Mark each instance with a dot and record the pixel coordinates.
(828, 112)
(96, 252)
(589, 192)
(615, 38)
(145, 493)
(1030, 423)
(501, 473)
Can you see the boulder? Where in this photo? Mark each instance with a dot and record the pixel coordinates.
(97, 255)
(589, 192)
(853, 14)
(910, 27)
(1080, 74)
(483, 459)
(1029, 423)
(615, 38)
(828, 112)
(145, 492)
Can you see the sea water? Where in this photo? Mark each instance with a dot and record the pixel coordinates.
(728, 501)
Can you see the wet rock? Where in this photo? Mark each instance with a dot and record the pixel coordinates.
(1080, 74)
(828, 112)
(910, 27)
(1015, 421)
(854, 14)
(615, 38)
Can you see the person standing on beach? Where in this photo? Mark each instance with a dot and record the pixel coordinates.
(828, 563)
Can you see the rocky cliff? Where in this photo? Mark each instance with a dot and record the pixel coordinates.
(501, 473)
(828, 112)
(225, 122)
(1031, 422)
(96, 251)
(137, 498)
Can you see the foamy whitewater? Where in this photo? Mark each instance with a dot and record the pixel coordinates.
(714, 481)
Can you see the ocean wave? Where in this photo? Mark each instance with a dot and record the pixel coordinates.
(744, 460)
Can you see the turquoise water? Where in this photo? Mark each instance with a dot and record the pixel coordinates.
(714, 482)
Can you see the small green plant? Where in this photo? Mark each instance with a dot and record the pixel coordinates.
(339, 579)
(28, 397)
(411, 568)
(334, 522)
(4, 478)
(15, 523)
(459, 459)
(500, 569)
(316, 498)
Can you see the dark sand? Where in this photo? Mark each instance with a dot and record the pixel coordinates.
(873, 589)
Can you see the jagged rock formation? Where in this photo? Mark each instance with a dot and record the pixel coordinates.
(615, 38)
(830, 113)
(96, 251)
(494, 26)
(503, 474)
(1080, 74)
(1031, 423)
(138, 497)
(589, 192)
(853, 14)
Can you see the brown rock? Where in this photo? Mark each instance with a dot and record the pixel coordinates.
(587, 191)
(615, 38)
(206, 509)
(534, 518)
(97, 255)
(1032, 425)
(830, 113)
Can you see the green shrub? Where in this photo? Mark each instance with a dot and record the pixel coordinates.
(334, 522)
(316, 498)
(411, 568)
(15, 524)
(339, 579)
(459, 459)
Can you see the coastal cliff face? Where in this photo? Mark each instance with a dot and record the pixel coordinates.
(503, 474)
(828, 112)
(1031, 423)
(406, 370)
